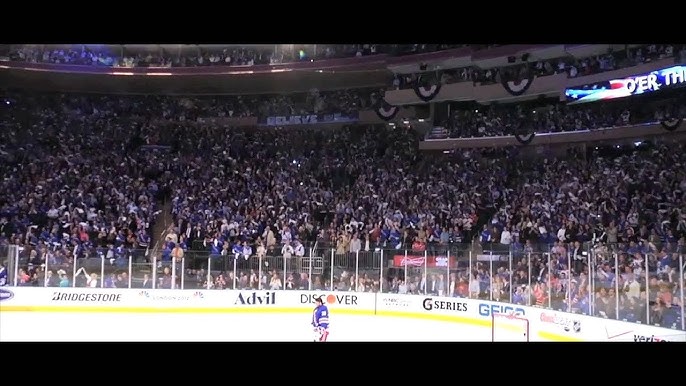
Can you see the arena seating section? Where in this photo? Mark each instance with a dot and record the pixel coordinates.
(92, 178)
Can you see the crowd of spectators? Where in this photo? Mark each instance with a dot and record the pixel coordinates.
(78, 186)
(471, 120)
(572, 221)
(193, 56)
(153, 108)
(573, 67)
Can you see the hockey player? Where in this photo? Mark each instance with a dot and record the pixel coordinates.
(320, 320)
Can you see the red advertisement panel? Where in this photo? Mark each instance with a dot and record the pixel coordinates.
(440, 261)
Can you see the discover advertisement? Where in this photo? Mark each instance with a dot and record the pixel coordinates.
(357, 301)
(330, 299)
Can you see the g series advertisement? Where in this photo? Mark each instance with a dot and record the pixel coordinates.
(665, 78)
(444, 304)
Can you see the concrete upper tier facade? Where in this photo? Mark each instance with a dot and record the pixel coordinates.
(354, 72)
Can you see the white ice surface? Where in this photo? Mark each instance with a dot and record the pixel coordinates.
(35, 326)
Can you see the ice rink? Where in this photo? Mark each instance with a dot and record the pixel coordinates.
(53, 326)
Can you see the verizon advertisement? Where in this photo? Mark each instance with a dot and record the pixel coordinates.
(440, 261)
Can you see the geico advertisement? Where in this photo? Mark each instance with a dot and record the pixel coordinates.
(353, 300)
(488, 309)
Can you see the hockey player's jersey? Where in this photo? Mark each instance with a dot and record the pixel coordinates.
(320, 317)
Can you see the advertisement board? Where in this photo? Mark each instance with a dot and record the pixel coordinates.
(560, 321)
(429, 308)
(488, 309)
(662, 79)
(165, 300)
(99, 299)
(337, 301)
(255, 298)
(440, 261)
(309, 119)
(545, 324)
(550, 325)
(562, 326)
